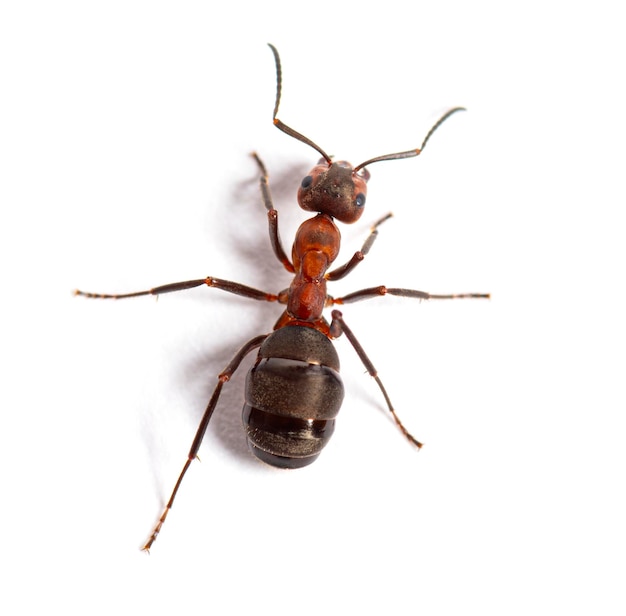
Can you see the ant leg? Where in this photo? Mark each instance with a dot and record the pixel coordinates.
(224, 285)
(359, 255)
(382, 290)
(337, 327)
(223, 377)
(272, 216)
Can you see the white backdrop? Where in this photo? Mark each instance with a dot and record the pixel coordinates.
(126, 129)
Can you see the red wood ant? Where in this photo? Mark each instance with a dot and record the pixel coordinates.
(294, 391)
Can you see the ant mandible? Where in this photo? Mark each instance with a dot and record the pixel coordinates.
(294, 391)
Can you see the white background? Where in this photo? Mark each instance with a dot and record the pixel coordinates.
(126, 129)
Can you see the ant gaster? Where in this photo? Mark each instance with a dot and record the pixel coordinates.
(293, 392)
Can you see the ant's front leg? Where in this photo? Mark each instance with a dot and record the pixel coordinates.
(272, 216)
(359, 255)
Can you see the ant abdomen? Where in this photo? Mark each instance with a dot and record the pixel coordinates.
(293, 394)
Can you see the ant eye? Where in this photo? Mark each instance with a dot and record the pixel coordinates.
(360, 200)
(307, 181)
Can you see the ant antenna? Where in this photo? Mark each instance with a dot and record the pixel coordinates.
(278, 123)
(417, 151)
(296, 135)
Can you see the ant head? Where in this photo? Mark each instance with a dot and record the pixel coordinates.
(336, 189)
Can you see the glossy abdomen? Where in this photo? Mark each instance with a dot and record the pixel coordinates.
(293, 394)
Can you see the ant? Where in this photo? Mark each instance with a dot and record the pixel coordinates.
(294, 392)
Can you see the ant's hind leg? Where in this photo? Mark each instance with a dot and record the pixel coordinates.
(337, 327)
(222, 378)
